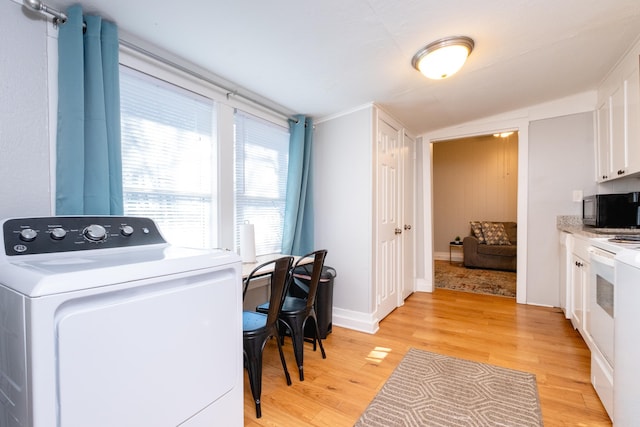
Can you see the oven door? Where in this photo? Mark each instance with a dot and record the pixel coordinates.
(601, 302)
(600, 324)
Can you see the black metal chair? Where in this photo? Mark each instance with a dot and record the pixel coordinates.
(257, 328)
(295, 311)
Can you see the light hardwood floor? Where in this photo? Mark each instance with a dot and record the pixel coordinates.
(481, 328)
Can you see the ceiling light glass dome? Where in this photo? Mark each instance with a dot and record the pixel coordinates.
(444, 57)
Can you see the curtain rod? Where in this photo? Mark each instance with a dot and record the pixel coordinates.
(192, 73)
(60, 18)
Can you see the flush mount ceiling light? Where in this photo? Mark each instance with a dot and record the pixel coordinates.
(503, 134)
(442, 58)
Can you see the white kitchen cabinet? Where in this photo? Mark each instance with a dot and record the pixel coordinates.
(618, 119)
(618, 142)
(632, 120)
(566, 247)
(579, 284)
(360, 217)
(603, 148)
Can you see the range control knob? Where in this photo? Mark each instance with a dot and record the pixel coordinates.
(58, 233)
(28, 235)
(95, 233)
(126, 230)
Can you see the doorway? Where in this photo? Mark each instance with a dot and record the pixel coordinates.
(474, 179)
(426, 249)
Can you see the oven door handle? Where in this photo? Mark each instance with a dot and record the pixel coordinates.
(601, 257)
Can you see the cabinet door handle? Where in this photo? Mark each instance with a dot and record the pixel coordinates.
(407, 227)
(621, 172)
(398, 231)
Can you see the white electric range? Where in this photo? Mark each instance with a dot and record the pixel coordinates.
(614, 297)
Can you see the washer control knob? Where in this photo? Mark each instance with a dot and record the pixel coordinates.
(28, 235)
(126, 230)
(95, 233)
(58, 233)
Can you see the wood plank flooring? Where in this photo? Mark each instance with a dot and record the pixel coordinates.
(481, 328)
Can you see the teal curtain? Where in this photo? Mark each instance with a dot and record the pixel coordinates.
(88, 158)
(297, 237)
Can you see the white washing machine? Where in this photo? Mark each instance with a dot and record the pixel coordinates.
(102, 323)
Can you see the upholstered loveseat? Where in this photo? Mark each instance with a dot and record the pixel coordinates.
(491, 245)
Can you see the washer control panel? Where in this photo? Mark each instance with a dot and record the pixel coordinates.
(42, 235)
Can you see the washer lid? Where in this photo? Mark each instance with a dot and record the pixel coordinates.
(49, 274)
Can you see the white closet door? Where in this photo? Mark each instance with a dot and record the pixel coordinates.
(408, 221)
(389, 229)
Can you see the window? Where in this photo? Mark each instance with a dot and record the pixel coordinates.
(197, 161)
(169, 158)
(261, 165)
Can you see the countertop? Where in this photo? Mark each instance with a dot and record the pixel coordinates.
(573, 225)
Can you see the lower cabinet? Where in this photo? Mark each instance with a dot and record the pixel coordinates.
(565, 273)
(579, 285)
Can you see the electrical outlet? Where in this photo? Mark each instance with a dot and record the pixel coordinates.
(577, 195)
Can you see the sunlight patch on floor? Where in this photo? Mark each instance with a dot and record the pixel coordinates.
(378, 354)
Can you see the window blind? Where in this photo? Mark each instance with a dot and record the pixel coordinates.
(261, 166)
(169, 158)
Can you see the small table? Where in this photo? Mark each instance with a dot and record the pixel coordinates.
(454, 245)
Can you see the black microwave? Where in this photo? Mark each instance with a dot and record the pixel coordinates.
(611, 210)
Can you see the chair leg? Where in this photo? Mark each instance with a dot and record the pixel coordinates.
(296, 328)
(284, 363)
(315, 321)
(254, 370)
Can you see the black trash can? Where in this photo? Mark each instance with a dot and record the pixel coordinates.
(324, 297)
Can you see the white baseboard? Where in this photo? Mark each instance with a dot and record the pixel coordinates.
(422, 285)
(363, 322)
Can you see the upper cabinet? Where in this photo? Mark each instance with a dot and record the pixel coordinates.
(632, 88)
(618, 118)
(603, 147)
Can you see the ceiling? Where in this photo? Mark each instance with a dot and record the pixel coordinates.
(321, 58)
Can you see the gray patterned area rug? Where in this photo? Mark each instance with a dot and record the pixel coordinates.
(428, 389)
(457, 277)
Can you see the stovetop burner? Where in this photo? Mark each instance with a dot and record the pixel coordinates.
(615, 244)
(627, 238)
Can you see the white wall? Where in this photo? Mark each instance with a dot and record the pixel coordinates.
(561, 160)
(342, 177)
(24, 110)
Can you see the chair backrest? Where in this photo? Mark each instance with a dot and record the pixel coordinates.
(263, 270)
(279, 282)
(318, 263)
(279, 270)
